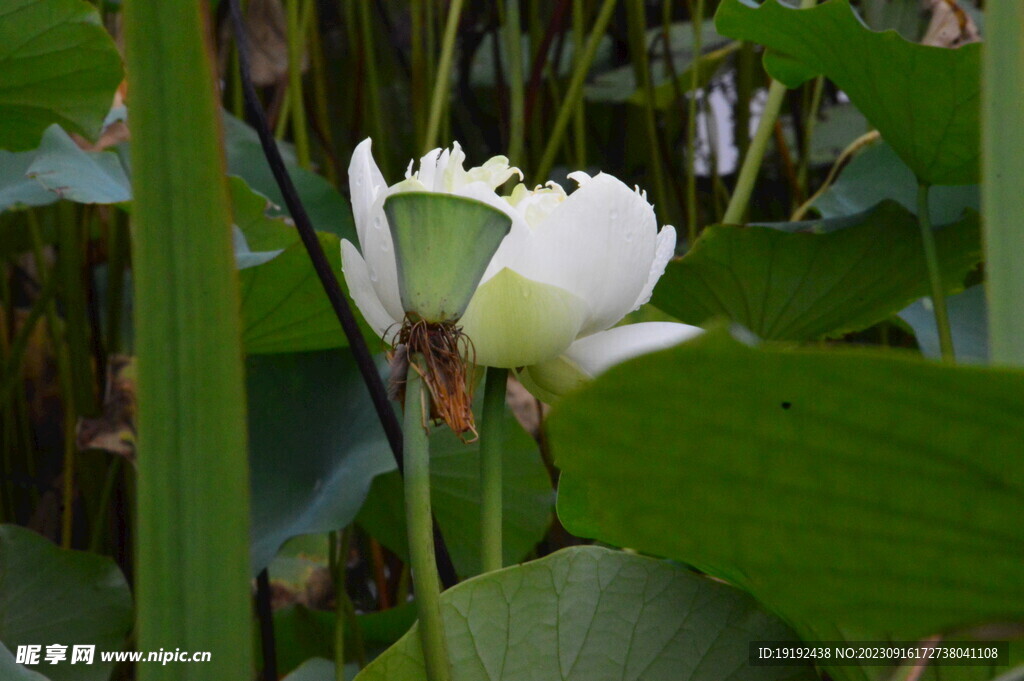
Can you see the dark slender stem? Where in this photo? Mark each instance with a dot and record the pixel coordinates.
(934, 275)
(266, 617)
(357, 344)
(364, 359)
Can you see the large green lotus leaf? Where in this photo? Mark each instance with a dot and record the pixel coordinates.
(327, 209)
(924, 100)
(72, 173)
(284, 307)
(315, 444)
(527, 498)
(877, 174)
(10, 670)
(590, 614)
(57, 65)
(841, 276)
(849, 491)
(252, 214)
(50, 595)
(443, 244)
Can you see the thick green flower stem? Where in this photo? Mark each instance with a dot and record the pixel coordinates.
(934, 275)
(444, 69)
(491, 439)
(418, 520)
(514, 59)
(574, 92)
(755, 154)
(697, 19)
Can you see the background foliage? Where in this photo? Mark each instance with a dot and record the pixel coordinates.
(845, 483)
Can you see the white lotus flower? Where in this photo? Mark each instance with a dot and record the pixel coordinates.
(570, 268)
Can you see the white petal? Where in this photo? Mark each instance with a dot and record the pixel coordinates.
(664, 250)
(599, 244)
(516, 246)
(379, 252)
(362, 291)
(590, 356)
(428, 168)
(580, 177)
(481, 191)
(513, 321)
(600, 351)
(365, 183)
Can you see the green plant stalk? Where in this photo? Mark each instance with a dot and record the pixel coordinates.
(72, 231)
(430, 22)
(354, 81)
(237, 99)
(746, 66)
(374, 113)
(671, 124)
(70, 451)
(358, 644)
(19, 438)
(516, 97)
(62, 360)
(538, 114)
(99, 522)
(1002, 202)
(320, 105)
(737, 207)
(402, 588)
(417, 68)
(420, 527)
(296, 47)
(192, 559)
(575, 91)
(934, 274)
(443, 76)
(642, 69)
(697, 22)
(8, 506)
(579, 39)
(283, 115)
(339, 551)
(117, 255)
(16, 353)
(809, 123)
(740, 198)
(491, 439)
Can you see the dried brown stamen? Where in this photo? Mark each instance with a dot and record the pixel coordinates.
(446, 353)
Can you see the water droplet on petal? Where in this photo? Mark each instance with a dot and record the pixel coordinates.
(526, 293)
(376, 222)
(385, 245)
(373, 274)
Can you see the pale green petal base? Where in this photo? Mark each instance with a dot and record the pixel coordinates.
(514, 321)
(550, 380)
